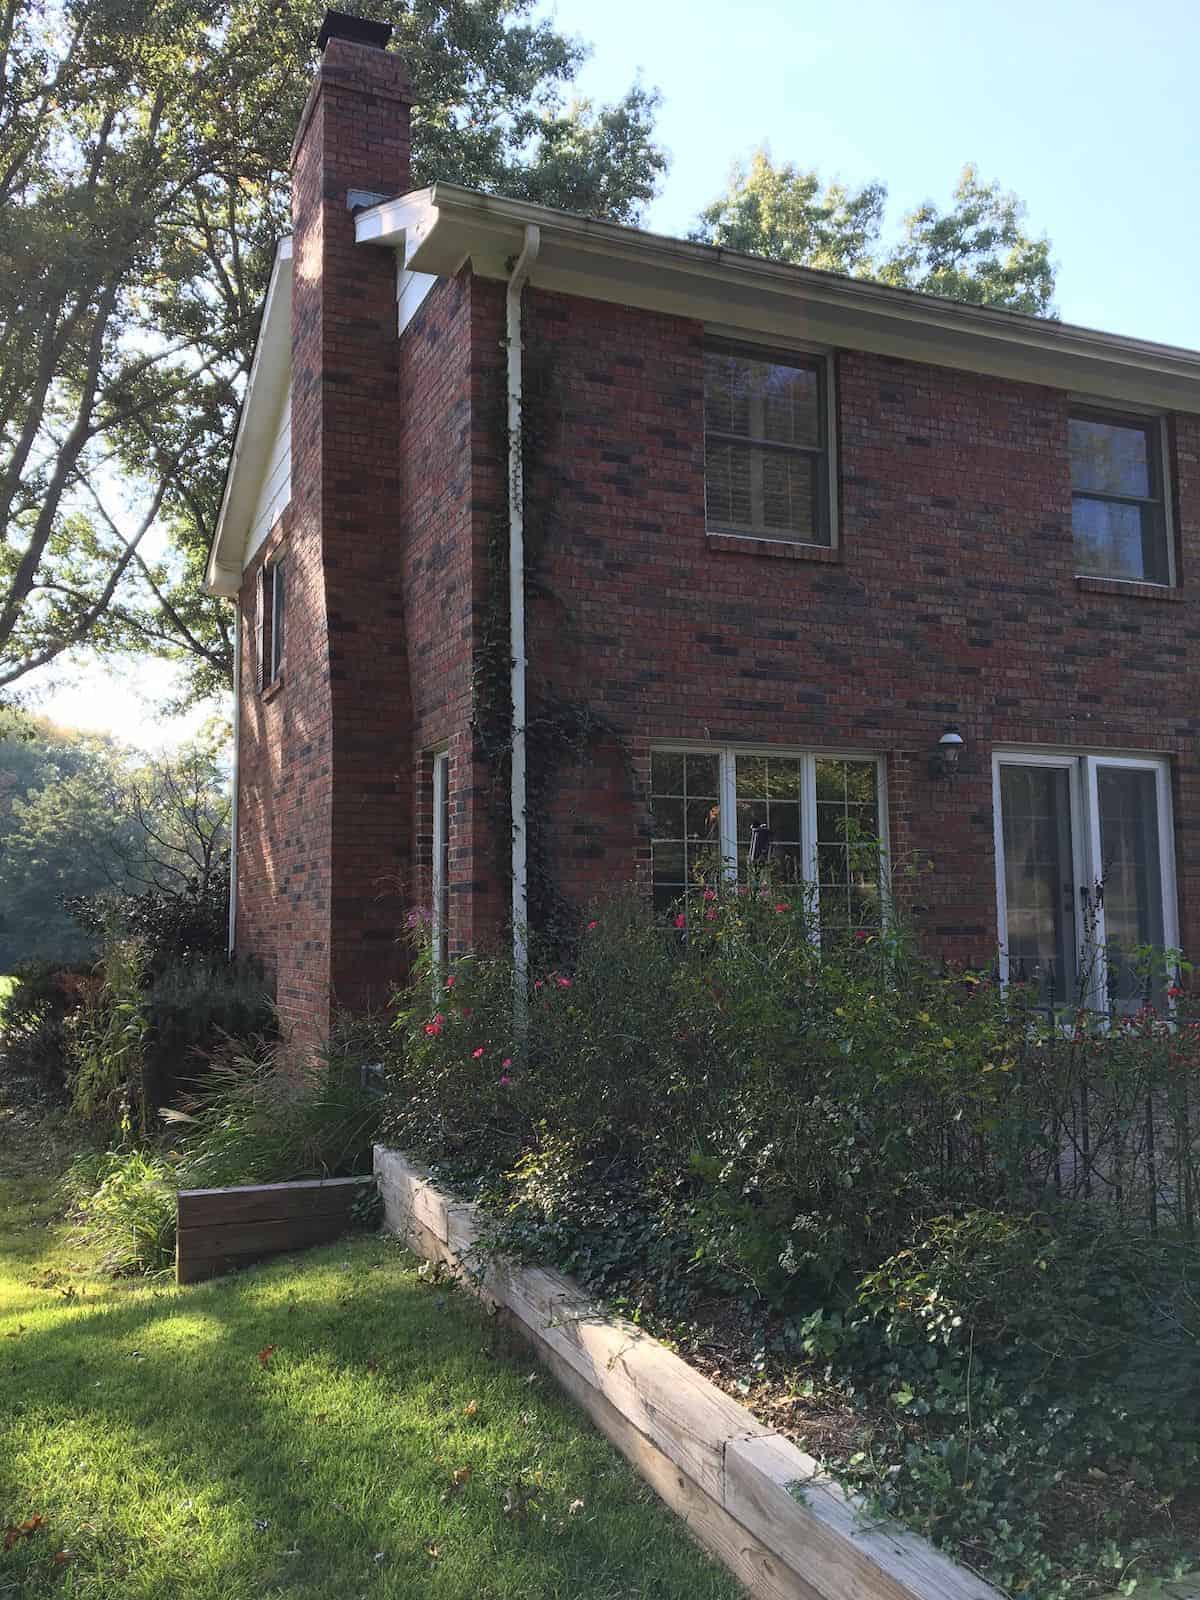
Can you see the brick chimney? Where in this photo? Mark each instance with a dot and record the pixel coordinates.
(346, 695)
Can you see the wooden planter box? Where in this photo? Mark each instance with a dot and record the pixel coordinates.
(219, 1229)
(759, 1504)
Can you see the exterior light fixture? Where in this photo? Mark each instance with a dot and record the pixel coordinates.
(943, 759)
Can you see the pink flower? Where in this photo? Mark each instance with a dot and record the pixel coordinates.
(435, 1027)
(477, 1053)
(711, 914)
(782, 906)
(505, 1080)
(681, 920)
(538, 983)
(1174, 992)
(506, 1063)
(710, 894)
(592, 926)
(564, 983)
(861, 934)
(450, 983)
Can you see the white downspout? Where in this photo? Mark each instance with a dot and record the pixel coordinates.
(237, 754)
(516, 611)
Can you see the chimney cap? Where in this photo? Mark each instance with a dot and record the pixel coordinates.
(341, 25)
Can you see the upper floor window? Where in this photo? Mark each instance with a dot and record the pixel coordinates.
(1118, 492)
(766, 445)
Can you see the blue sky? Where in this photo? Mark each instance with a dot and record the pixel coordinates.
(1088, 111)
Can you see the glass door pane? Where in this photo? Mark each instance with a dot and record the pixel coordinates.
(1039, 878)
(1131, 872)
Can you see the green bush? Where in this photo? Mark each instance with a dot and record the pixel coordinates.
(257, 1119)
(192, 1006)
(123, 1204)
(35, 1026)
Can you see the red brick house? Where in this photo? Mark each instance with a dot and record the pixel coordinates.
(766, 536)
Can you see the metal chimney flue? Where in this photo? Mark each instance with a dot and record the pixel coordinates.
(358, 30)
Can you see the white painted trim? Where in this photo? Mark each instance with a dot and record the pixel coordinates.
(237, 772)
(440, 227)
(411, 291)
(270, 374)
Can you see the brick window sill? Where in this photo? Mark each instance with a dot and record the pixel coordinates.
(1136, 591)
(742, 544)
(271, 689)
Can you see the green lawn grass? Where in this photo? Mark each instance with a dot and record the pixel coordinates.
(331, 1425)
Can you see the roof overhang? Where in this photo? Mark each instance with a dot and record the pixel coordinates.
(265, 390)
(437, 230)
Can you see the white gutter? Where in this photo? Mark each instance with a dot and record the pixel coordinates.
(237, 756)
(516, 611)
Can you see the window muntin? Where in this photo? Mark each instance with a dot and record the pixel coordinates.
(766, 446)
(1084, 874)
(826, 816)
(1118, 501)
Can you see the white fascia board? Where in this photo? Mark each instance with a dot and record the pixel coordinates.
(439, 228)
(266, 387)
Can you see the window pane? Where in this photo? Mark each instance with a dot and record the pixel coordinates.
(1110, 457)
(848, 844)
(1131, 873)
(1113, 540)
(702, 776)
(1039, 879)
(773, 493)
(761, 399)
(666, 772)
(686, 813)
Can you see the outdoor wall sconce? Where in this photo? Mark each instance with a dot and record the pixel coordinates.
(943, 759)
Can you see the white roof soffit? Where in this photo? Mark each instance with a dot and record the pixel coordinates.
(259, 416)
(439, 228)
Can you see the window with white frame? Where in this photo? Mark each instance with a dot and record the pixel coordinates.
(271, 621)
(1085, 875)
(766, 445)
(1119, 506)
(441, 859)
(824, 812)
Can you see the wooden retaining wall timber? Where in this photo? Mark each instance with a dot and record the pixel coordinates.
(725, 1473)
(219, 1229)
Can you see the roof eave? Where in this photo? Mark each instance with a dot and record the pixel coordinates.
(265, 388)
(437, 229)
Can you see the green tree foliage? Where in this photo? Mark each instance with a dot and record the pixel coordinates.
(84, 816)
(978, 250)
(143, 156)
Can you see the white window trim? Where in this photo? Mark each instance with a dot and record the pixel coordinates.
(439, 888)
(1083, 767)
(823, 356)
(278, 595)
(727, 755)
(1159, 418)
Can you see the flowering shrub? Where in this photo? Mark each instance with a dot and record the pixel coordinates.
(796, 1106)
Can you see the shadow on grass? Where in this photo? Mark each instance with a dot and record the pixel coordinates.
(327, 1426)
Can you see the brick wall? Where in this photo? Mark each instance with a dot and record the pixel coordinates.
(325, 819)
(952, 598)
